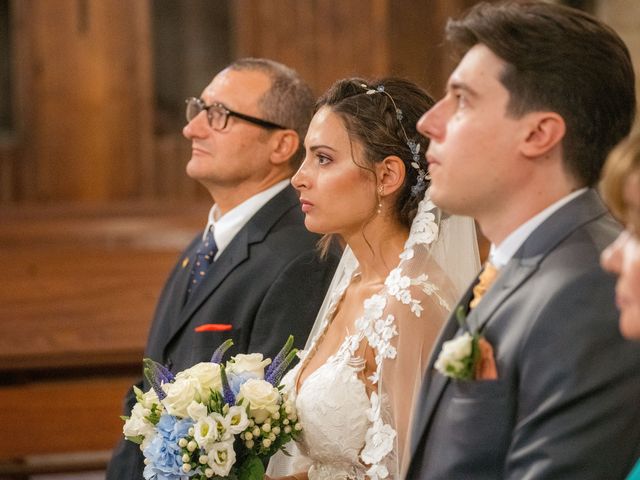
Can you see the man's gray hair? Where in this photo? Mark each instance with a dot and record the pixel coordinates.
(289, 102)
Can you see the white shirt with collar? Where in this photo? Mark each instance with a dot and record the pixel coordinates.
(500, 255)
(226, 227)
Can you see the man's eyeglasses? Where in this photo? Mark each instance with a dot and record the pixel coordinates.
(218, 115)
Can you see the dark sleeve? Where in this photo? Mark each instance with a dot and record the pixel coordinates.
(579, 389)
(127, 461)
(291, 303)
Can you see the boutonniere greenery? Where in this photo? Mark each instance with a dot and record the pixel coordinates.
(459, 357)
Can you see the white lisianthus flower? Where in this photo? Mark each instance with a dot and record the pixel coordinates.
(206, 433)
(208, 376)
(223, 426)
(237, 419)
(180, 394)
(451, 360)
(252, 363)
(262, 397)
(221, 458)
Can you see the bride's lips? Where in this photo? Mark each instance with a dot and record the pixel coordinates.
(306, 205)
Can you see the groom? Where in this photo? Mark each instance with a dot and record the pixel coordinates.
(541, 95)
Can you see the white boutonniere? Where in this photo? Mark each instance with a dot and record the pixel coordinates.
(468, 356)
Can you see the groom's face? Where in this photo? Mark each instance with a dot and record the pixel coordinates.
(473, 138)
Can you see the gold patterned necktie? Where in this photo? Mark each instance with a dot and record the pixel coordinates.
(485, 280)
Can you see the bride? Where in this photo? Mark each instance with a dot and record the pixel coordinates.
(364, 180)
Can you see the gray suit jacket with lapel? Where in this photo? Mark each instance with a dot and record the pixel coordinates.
(565, 405)
(268, 283)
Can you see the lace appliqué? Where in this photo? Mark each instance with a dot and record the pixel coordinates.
(379, 330)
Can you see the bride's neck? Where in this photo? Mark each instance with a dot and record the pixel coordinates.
(377, 247)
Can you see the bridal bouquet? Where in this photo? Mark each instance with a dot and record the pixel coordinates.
(213, 421)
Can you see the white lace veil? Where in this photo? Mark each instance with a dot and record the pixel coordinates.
(401, 324)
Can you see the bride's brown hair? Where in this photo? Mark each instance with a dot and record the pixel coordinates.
(381, 115)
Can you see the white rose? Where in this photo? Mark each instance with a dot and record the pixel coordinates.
(208, 376)
(252, 363)
(180, 394)
(453, 352)
(262, 397)
(197, 410)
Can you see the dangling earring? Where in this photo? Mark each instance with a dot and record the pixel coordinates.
(380, 192)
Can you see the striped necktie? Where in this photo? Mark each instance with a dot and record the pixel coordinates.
(203, 260)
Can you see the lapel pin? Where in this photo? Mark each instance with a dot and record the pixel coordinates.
(185, 262)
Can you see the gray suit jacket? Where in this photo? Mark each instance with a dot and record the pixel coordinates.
(565, 405)
(267, 284)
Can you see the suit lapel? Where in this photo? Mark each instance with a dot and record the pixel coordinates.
(235, 254)
(434, 383)
(525, 262)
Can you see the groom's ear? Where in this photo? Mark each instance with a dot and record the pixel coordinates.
(545, 131)
(390, 174)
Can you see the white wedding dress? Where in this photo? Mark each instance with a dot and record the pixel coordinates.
(349, 433)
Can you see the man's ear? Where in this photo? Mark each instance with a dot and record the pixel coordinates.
(284, 144)
(545, 132)
(390, 174)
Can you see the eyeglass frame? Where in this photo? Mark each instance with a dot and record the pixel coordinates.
(228, 113)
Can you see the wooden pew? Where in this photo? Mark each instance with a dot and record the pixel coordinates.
(78, 285)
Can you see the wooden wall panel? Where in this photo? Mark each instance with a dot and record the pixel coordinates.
(87, 107)
(330, 39)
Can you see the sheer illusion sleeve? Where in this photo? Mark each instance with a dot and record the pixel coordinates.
(402, 322)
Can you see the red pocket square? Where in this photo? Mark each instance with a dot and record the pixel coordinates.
(213, 327)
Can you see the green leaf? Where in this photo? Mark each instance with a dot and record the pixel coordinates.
(137, 439)
(461, 316)
(251, 469)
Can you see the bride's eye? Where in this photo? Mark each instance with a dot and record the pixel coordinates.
(323, 159)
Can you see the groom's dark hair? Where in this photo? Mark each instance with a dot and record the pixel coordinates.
(562, 60)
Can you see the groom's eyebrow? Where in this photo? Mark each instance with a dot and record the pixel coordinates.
(458, 85)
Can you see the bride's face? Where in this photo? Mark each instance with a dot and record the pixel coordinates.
(337, 194)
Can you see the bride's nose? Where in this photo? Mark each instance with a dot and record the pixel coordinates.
(301, 180)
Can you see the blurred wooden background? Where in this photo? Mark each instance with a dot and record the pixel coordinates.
(94, 201)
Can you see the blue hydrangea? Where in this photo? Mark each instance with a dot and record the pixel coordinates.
(163, 453)
(237, 379)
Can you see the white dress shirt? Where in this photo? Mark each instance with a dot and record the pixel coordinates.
(499, 255)
(226, 227)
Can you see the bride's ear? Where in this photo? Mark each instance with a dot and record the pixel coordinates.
(390, 174)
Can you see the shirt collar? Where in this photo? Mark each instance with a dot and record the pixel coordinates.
(226, 227)
(500, 255)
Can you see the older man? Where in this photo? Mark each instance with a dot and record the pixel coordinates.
(254, 274)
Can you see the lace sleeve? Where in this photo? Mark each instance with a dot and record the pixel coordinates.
(401, 323)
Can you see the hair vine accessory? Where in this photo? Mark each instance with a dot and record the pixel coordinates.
(414, 146)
